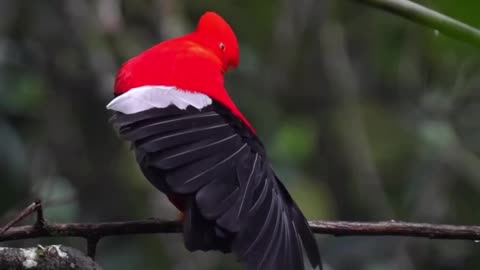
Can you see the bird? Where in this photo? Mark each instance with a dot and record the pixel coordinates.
(193, 144)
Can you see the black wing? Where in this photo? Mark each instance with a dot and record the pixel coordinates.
(233, 201)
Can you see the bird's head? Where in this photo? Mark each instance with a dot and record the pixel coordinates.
(215, 34)
(164, 64)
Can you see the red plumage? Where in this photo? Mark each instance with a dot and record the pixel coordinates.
(195, 62)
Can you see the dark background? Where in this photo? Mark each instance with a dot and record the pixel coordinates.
(366, 117)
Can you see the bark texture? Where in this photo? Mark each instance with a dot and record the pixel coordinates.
(53, 257)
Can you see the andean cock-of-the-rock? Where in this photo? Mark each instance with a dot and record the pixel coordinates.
(194, 144)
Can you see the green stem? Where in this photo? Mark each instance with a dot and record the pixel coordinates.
(422, 15)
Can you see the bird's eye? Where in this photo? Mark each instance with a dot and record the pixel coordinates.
(222, 46)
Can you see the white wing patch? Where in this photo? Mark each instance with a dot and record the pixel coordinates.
(147, 97)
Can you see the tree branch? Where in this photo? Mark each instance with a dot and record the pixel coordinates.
(35, 206)
(94, 232)
(336, 228)
(396, 228)
(430, 18)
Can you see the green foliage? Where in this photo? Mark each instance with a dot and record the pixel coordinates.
(294, 141)
(313, 198)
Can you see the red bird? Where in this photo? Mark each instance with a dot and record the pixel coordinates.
(193, 144)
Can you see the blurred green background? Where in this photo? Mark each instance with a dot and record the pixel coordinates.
(366, 117)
